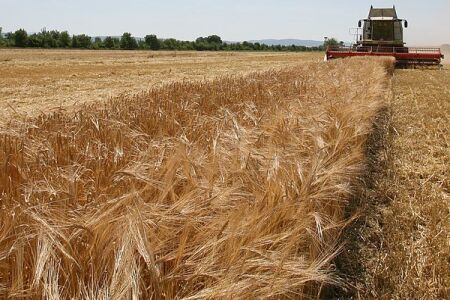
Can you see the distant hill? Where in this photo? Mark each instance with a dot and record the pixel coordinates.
(116, 37)
(289, 42)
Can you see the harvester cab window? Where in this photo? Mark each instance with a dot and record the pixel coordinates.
(383, 31)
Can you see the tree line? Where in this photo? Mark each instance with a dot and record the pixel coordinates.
(55, 39)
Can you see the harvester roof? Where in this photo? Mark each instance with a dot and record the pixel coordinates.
(382, 13)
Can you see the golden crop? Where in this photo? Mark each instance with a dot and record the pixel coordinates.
(35, 81)
(230, 188)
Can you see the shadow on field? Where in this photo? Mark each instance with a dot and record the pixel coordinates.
(364, 233)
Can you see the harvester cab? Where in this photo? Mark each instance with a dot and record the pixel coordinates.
(382, 28)
(381, 34)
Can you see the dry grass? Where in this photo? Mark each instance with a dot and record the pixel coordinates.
(405, 244)
(233, 188)
(36, 81)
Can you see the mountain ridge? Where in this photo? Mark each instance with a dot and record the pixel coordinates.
(289, 42)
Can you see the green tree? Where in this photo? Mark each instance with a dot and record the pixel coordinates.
(1, 37)
(84, 41)
(116, 43)
(20, 38)
(64, 40)
(98, 43)
(9, 39)
(81, 41)
(152, 42)
(108, 42)
(332, 42)
(170, 44)
(128, 42)
(49, 38)
(54, 37)
(34, 41)
(214, 39)
(74, 41)
(246, 46)
(201, 46)
(210, 43)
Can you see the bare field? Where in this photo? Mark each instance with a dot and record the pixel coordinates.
(35, 81)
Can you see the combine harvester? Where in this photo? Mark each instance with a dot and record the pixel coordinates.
(382, 35)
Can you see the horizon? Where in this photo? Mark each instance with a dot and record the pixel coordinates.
(159, 37)
(252, 20)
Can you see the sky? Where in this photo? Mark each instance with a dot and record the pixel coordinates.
(429, 21)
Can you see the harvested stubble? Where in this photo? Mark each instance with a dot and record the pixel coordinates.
(234, 188)
(405, 252)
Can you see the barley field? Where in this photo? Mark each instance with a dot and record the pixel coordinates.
(142, 175)
(34, 81)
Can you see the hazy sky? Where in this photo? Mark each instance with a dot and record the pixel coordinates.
(233, 20)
